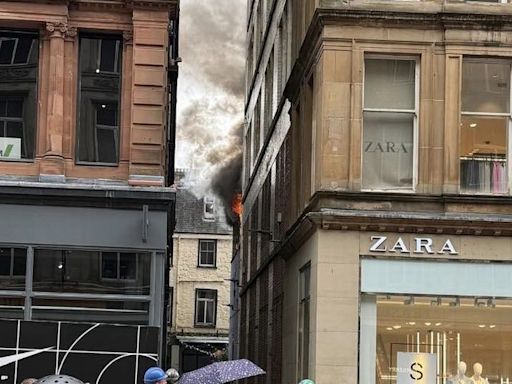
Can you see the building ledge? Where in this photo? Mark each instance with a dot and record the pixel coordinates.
(204, 339)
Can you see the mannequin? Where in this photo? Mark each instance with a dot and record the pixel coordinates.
(461, 377)
(477, 374)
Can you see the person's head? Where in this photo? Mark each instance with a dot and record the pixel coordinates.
(307, 381)
(477, 369)
(29, 381)
(155, 375)
(462, 367)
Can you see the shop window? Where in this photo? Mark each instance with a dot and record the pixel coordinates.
(304, 314)
(12, 307)
(443, 339)
(18, 94)
(389, 124)
(13, 263)
(206, 307)
(207, 253)
(97, 311)
(118, 265)
(99, 102)
(485, 123)
(79, 271)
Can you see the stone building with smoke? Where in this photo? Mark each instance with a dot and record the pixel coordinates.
(376, 238)
(87, 105)
(199, 280)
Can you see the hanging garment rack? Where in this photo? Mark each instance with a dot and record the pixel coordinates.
(484, 158)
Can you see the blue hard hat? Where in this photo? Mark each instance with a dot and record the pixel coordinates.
(154, 375)
(307, 381)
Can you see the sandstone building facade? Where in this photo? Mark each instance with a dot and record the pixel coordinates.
(377, 190)
(199, 281)
(87, 100)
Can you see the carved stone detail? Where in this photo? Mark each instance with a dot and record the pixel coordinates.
(58, 29)
(70, 33)
(128, 37)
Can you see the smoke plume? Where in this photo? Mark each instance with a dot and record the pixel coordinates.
(210, 95)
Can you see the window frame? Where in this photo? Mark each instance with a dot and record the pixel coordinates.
(304, 298)
(110, 128)
(11, 275)
(118, 272)
(34, 34)
(415, 113)
(209, 216)
(13, 54)
(198, 324)
(200, 264)
(508, 116)
(111, 35)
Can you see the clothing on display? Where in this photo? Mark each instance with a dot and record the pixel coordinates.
(483, 175)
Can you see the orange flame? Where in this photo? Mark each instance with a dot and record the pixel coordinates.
(236, 204)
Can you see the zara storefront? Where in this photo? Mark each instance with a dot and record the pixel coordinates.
(435, 309)
(398, 308)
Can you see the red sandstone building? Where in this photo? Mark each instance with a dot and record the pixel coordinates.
(87, 106)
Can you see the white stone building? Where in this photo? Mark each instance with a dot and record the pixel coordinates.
(199, 282)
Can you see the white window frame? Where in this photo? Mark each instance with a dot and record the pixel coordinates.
(209, 216)
(204, 315)
(414, 112)
(200, 253)
(508, 144)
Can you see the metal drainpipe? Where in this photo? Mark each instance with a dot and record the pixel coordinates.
(172, 77)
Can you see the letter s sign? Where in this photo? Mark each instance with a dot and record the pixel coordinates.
(417, 373)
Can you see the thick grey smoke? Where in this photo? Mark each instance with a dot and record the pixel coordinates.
(212, 41)
(211, 91)
(211, 86)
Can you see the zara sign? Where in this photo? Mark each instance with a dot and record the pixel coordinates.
(418, 245)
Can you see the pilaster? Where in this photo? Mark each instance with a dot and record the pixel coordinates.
(52, 162)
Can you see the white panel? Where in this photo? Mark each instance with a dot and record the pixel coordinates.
(449, 278)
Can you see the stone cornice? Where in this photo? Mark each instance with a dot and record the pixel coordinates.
(348, 16)
(379, 212)
(124, 4)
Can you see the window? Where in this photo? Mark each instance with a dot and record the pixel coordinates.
(80, 271)
(206, 307)
(18, 94)
(485, 123)
(99, 103)
(207, 253)
(13, 263)
(389, 124)
(458, 339)
(209, 209)
(118, 265)
(443, 312)
(304, 303)
(15, 49)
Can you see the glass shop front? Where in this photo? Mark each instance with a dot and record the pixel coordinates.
(451, 324)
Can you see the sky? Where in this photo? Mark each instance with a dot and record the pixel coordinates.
(211, 83)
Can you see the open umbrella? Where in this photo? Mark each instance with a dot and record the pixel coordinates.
(222, 372)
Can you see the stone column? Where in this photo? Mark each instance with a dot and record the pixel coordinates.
(52, 163)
